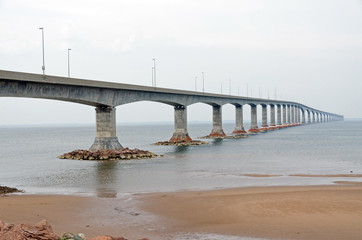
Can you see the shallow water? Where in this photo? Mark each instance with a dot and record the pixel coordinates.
(29, 159)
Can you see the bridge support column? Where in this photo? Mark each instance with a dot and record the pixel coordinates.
(284, 115)
(309, 117)
(180, 134)
(289, 115)
(239, 126)
(279, 116)
(303, 116)
(217, 130)
(272, 117)
(106, 138)
(293, 117)
(297, 114)
(264, 121)
(254, 120)
(314, 117)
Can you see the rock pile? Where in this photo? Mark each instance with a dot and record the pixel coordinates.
(123, 154)
(40, 231)
(6, 190)
(181, 143)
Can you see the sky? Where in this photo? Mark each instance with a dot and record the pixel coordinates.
(309, 51)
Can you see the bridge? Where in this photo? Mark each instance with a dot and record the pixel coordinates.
(106, 96)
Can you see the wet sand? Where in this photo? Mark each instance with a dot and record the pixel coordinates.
(303, 212)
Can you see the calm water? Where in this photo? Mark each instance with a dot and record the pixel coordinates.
(28, 158)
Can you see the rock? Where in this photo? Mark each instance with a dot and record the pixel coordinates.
(39, 231)
(108, 238)
(6, 190)
(110, 155)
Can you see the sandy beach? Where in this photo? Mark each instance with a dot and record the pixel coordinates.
(301, 212)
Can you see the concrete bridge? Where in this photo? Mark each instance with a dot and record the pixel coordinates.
(105, 96)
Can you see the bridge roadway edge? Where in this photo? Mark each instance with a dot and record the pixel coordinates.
(105, 95)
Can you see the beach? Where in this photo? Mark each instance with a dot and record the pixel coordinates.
(282, 212)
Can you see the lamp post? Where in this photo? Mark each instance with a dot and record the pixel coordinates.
(42, 43)
(196, 84)
(203, 83)
(154, 70)
(69, 63)
(229, 86)
(247, 90)
(221, 87)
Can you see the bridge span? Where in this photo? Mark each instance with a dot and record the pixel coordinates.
(106, 96)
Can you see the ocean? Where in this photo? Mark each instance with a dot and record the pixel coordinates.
(28, 159)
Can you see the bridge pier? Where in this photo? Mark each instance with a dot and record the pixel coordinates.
(285, 115)
(254, 121)
(289, 110)
(309, 117)
(106, 138)
(279, 116)
(272, 117)
(217, 130)
(264, 120)
(180, 134)
(239, 126)
(303, 116)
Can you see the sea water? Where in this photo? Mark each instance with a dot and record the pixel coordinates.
(28, 158)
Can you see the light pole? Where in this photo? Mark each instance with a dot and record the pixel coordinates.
(69, 63)
(229, 86)
(42, 43)
(196, 84)
(247, 90)
(203, 83)
(154, 70)
(238, 91)
(221, 87)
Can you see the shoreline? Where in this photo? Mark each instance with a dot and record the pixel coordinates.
(283, 212)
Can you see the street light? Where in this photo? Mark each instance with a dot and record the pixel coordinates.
(69, 63)
(203, 83)
(42, 37)
(221, 87)
(196, 84)
(154, 70)
(229, 86)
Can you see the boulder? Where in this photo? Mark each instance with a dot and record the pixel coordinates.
(108, 238)
(39, 231)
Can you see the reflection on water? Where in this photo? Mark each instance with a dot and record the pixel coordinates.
(325, 148)
(106, 176)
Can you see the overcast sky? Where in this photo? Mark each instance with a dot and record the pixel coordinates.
(308, 51)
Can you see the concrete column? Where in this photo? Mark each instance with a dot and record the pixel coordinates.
(272, 117)
(314, 117)
(264, 123)
(285, 115)
(303, 116)
(317, 117)
(298, 114)
(293, 118)
(254, 120)
(309, 117)
(217, 130)
(239, 126)
(279, 115)
(180, 134)
(289, 114)
(106, 138)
